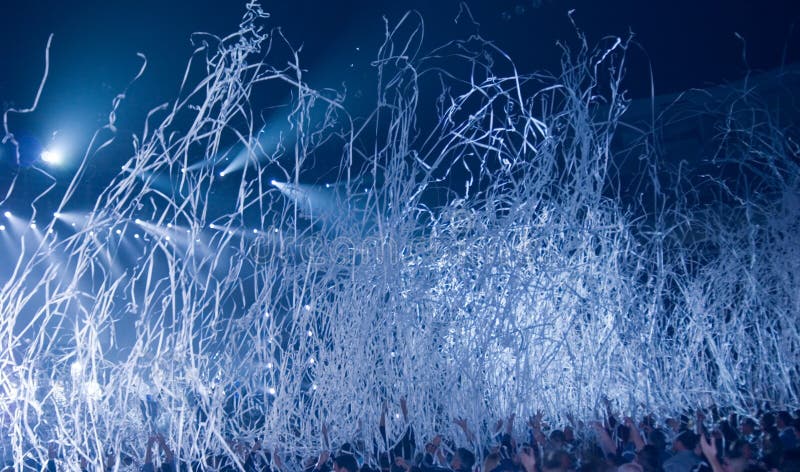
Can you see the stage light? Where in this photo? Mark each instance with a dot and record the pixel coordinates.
(56, 215)
(137, 221)
(7, 214)
(119, 231)
(52, 157)
(272, 391)
(135, 236)
(33, 225)
(2, 227)
(222, 174)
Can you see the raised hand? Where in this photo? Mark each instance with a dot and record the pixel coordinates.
(498, 425)
(527, 459)
(709, 447)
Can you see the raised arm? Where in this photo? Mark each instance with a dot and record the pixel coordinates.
(636, 436)
(710, 452)
(604, 440)
(462, 423)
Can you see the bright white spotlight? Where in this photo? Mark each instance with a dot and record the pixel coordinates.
(7, 214)
(137, 221)
(222, 174)
(2, 227)
(56, 215)
(33, 225)
(52, 156)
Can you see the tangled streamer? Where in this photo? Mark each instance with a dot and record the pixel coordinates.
(471, 252)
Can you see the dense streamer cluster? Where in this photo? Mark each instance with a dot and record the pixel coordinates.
(472, 254)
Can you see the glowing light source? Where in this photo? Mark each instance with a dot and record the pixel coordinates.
(52, 156)
(2, 227)
(7, 214)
